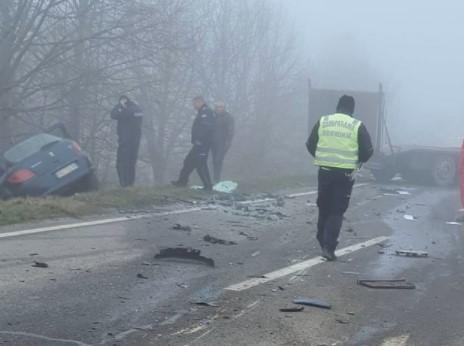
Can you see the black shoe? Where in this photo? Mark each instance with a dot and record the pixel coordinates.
(329, 255)
(177, 183)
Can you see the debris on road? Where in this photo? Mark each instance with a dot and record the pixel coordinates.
(184, 254)
(249, 237)
(205, 303)
(213, 240)
(292, 309)
(40, 265)
(256, 253)
(387, 284)
(409, 217)
(313, 302)
(179, 227)
(141, 276)
(257, 276)
(351, 273)
(454, 223)
(411, 253)
(342, 321)
(406, 193)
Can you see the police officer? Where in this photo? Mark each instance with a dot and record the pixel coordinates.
(222, 138)
(129, 117)
(202, 136)
(340, 144)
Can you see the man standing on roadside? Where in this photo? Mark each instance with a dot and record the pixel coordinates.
(202, 136)
(340, 144)
(222, 139)
(129, 117)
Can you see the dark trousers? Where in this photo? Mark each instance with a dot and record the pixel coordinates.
(197, 159)
(218, 152)
(126, 161)
(334, 193)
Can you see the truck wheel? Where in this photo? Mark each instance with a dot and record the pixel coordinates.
(444, 171)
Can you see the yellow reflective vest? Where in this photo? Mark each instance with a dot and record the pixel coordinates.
(338, 145)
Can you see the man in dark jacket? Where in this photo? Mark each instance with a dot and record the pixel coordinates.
(222, 139)
(202, 136)
(129, 117)
(340, 144)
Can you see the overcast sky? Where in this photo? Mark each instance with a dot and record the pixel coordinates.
(414, 47)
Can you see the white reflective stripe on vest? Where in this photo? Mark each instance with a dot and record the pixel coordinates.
(337, 151)
(337, 160)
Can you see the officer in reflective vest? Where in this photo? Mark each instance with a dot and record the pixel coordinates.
(340, 144)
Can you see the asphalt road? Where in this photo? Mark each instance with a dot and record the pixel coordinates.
(103, 285)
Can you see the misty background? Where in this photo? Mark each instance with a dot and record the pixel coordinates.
(415, 48)
(69, 61)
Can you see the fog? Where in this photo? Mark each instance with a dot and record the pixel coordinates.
(415, 48)
(70, 61)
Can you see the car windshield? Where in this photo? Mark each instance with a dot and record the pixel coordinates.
(28, 147)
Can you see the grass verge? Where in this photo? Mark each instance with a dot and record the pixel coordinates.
(27, 210)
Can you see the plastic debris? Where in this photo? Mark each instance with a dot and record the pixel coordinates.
(214, 240)
(179, 227)
(292, 309)
(40, 265)
(184, 254)
(225, 186)
(411, 253)
(313, 302)
(387, 284)
(409, 217)
(204, 303)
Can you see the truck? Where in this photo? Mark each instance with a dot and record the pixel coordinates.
(415, 164)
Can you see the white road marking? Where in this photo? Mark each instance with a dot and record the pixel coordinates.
(94, 223)
(43, 337)
(397, 341)
(301, 266)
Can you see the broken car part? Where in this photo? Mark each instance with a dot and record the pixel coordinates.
(313, 302)
(184, 254)
(387, 284)
(214, 240)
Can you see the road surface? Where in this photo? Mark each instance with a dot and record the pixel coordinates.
(103, 285)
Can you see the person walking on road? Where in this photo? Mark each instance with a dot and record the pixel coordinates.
(222, 138)
(340, 144)
(129, 117)
(202, 136)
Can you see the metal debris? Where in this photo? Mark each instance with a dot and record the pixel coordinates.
(214, 240)
(182, 253)
(387, 284)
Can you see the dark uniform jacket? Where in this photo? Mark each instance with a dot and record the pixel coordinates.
(364, 141)
(129, 120)
(203, 127)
